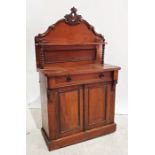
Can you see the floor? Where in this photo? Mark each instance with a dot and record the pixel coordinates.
(112, 144)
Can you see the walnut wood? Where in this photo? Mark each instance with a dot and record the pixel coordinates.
(77, 88)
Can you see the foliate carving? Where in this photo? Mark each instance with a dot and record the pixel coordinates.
(39, 39)
(51, 27)
(73, 18)
(90, 27)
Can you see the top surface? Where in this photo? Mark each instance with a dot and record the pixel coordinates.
(81, 69)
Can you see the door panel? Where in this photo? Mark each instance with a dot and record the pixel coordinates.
(95, 105)
(69, 107)
(70, 110)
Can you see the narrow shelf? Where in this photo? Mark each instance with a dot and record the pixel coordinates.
(70, 44)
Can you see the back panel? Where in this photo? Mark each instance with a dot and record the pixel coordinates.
(61, 54)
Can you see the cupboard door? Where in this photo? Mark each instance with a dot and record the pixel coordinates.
(70, 110)
(96, 104)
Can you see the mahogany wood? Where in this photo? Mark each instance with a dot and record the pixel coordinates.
(77, 88)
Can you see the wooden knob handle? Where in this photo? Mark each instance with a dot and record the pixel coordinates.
(68, 78)
(101, 75)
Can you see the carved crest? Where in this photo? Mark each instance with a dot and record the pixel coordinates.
(73, 18)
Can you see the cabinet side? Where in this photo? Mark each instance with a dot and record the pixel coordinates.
(44, 102)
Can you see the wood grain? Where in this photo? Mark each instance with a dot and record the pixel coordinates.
(77, 88)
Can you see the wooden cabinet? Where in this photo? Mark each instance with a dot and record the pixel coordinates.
(77, 88)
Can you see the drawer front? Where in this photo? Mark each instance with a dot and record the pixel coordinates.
(61, 81)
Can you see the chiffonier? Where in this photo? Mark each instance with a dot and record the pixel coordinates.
(77, 88)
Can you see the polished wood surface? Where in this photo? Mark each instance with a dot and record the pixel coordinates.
(77, 88)
(62, 69)
(95, 105)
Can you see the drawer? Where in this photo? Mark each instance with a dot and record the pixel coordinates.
(60, 81)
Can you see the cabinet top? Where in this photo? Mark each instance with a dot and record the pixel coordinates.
(55, 70)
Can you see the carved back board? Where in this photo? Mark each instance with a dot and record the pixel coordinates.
(69, 40)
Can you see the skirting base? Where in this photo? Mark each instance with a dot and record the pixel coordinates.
(79, 137)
